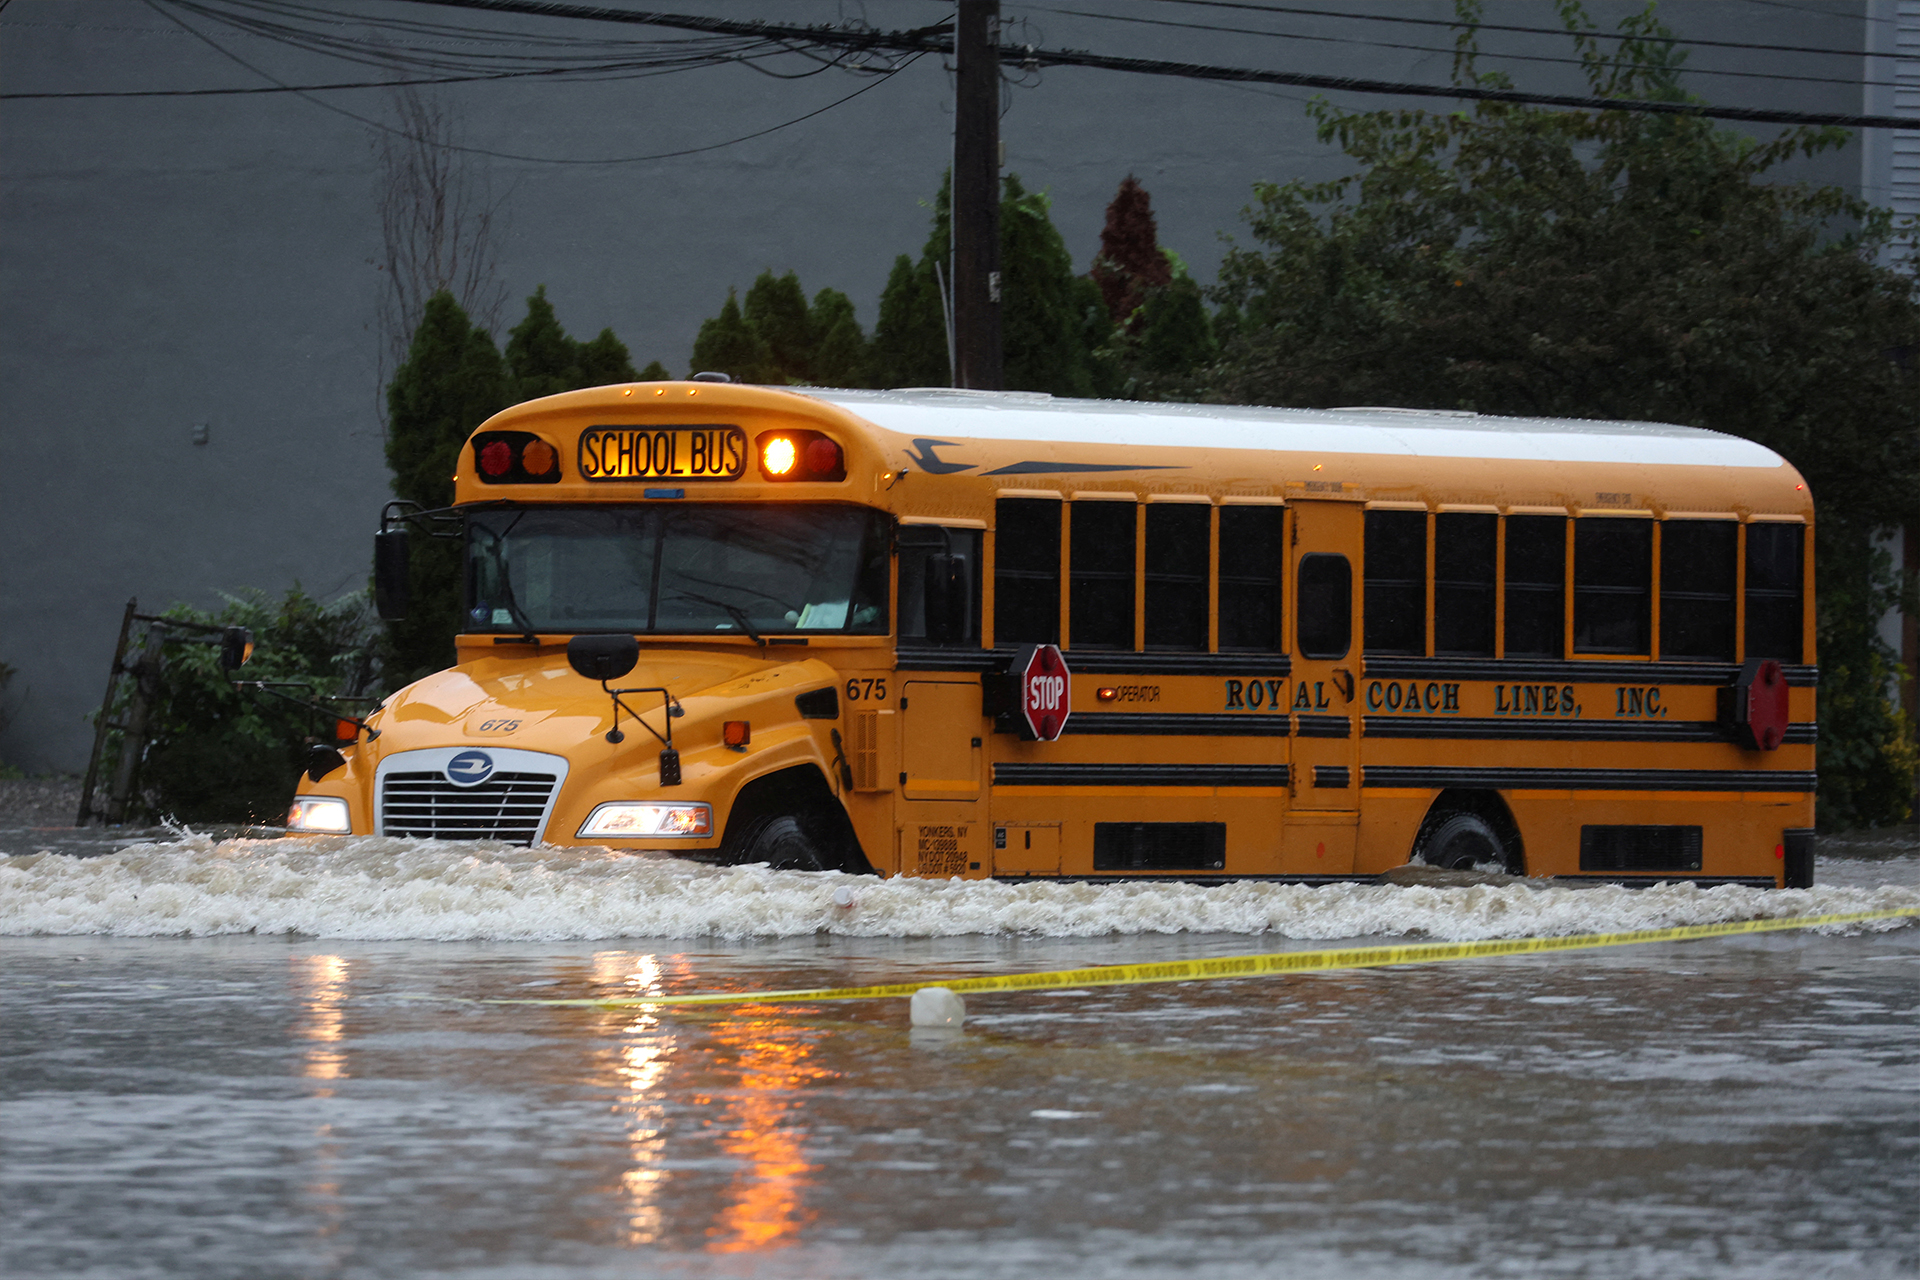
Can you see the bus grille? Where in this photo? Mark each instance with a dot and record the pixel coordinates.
(507, 806)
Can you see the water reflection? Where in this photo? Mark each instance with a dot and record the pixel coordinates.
(320, 989)
(643, 1050)
(764, 1128)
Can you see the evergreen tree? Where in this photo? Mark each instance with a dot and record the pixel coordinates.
(654, 372)
(543, 361)
(776, 310)
(1130, 263)
(727, 344)
(604, 362)
(909, 347)
(452, 381)
(1175, 334)
(1053, 324)
(838, 348)
(1043, 323)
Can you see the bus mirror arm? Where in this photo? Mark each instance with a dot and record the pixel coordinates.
(669, 757)
(273, 689)
(1343, 678)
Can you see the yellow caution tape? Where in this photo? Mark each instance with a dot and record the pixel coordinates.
(1123, 975)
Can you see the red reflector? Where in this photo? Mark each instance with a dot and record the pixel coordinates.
(345, 731)
(736, 733)
(538, 458)
(497, 458)
(1780, 851)
(823, 456)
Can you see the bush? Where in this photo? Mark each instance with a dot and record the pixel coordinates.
(220, 754)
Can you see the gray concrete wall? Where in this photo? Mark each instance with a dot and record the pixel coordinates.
(171, 261)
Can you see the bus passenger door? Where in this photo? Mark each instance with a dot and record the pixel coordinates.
(941, 761)
(1324, 774)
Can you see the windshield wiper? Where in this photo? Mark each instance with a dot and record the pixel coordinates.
(738, 614)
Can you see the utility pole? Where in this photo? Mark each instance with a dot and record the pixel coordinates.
(976, 196)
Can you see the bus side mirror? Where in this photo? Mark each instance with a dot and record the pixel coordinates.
(236, 648)
(390, 566)
(946, 598)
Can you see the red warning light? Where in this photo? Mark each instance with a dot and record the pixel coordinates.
(823, 456)
(496, 459)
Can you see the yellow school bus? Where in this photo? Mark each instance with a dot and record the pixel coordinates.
(950, 633)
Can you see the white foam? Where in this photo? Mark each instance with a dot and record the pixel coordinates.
(379, 888)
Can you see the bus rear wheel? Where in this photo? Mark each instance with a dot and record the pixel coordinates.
(1463, 841)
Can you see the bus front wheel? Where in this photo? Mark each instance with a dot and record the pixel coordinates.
(781, 841)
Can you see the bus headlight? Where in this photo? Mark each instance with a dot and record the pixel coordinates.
(631, 818)
(319, 813)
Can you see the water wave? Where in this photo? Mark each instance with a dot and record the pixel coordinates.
(382, 888)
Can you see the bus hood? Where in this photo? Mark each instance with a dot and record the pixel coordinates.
(539, 703)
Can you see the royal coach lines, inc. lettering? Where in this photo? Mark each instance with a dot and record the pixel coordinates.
(1534, 700)
(1413, 696)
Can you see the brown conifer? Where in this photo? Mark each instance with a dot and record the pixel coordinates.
(1130, 262)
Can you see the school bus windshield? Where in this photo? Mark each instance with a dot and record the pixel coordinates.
(727, 568)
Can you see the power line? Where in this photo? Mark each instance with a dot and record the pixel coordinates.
(1501, 26)
(926, 40)
(1421, 48)
(503, 155)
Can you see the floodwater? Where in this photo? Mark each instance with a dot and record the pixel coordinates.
(276, 1058)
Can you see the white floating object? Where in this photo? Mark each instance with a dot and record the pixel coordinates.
(938, 1007)
(843, 897)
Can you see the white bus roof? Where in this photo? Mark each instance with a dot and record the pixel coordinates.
(936, 412)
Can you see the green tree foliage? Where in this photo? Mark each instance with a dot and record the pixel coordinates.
(218, 754)
(655, 372)
(1054, 324)
(543, 361)
(1509, 259)
(776, 310)
(839, 349)
(727, 344)
(452, 380)
(775, 337)
(909, 346)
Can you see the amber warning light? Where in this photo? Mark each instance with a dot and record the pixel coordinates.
(800, 455)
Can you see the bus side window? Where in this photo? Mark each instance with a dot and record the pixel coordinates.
(1177, 574)
(1536, 586)
(1464, 547)
(1699, 564)
(1253, 557)
(1100, 592)
(1396, 582)
(1774, 579)
(940, 585)
(1612, 585)
(1326, 606)
(1026, 571)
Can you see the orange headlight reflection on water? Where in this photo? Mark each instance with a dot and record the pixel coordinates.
(779, 456)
